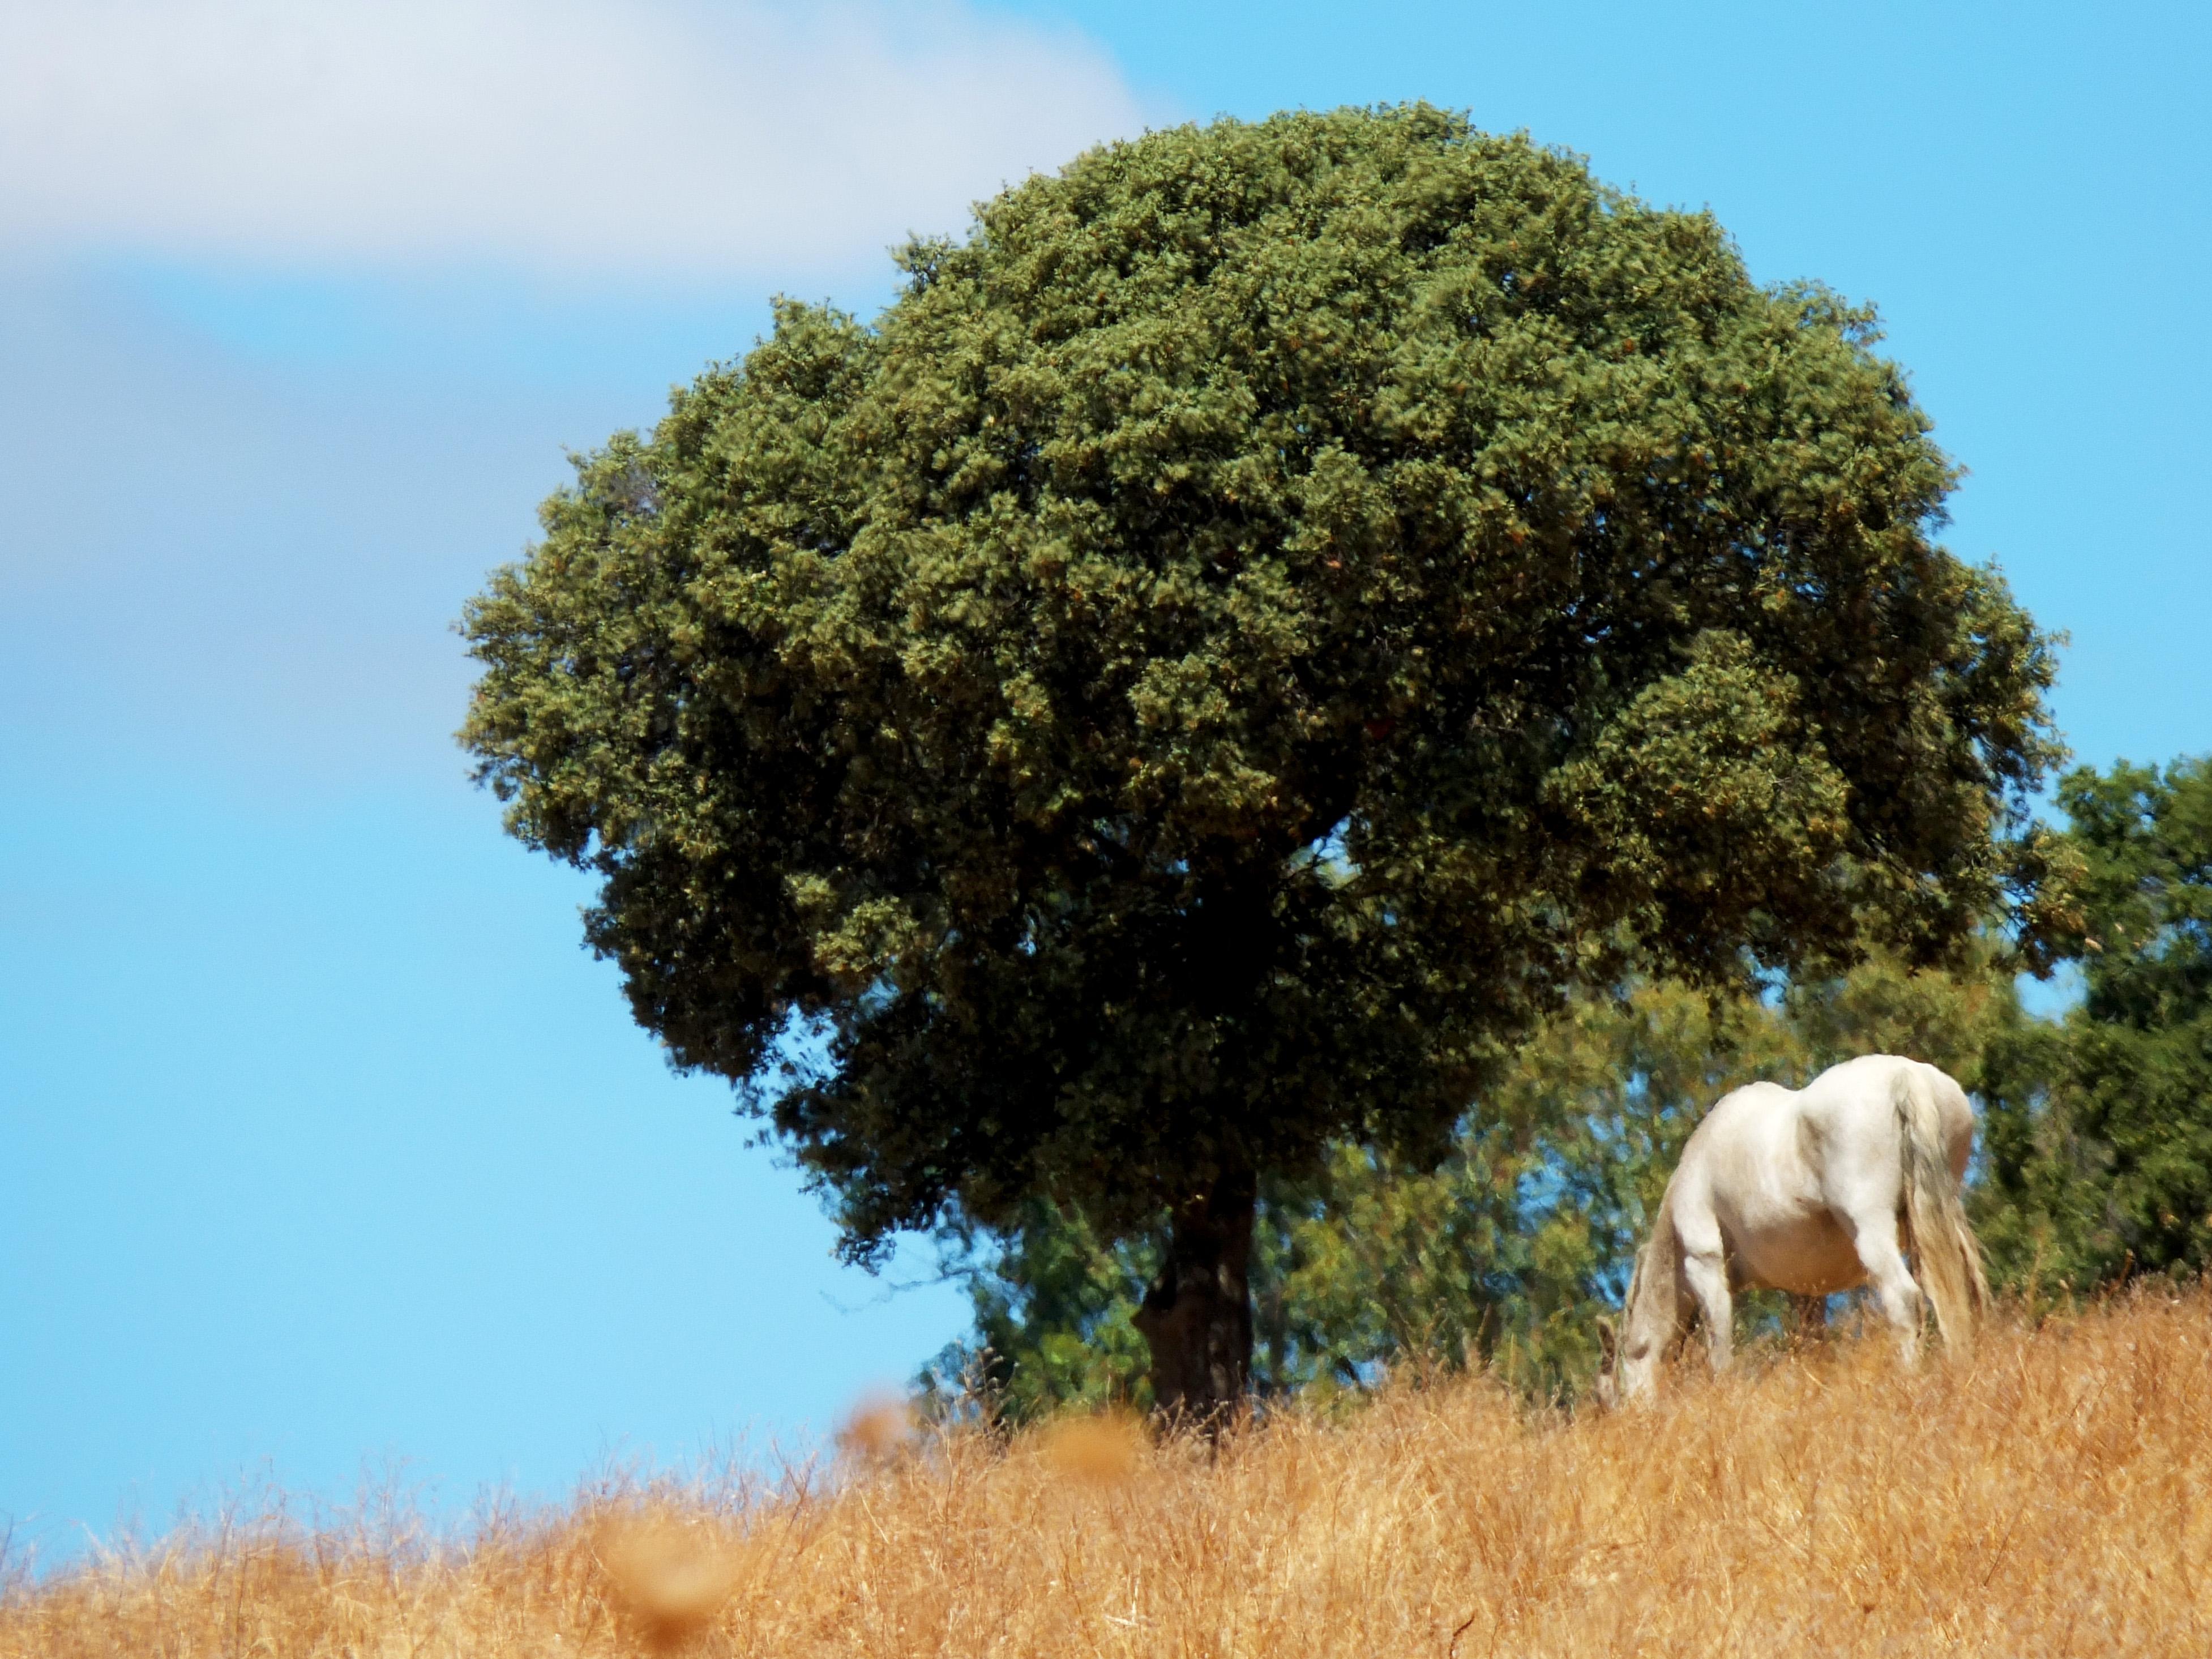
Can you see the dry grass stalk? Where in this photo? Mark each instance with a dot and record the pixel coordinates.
(2052, 1497)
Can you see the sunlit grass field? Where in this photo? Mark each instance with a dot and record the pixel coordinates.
(2051, 1496)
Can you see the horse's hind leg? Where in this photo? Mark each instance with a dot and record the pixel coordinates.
(1875, 1238)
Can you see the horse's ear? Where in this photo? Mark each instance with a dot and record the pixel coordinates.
(1608, 1346)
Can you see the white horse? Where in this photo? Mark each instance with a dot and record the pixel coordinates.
(1811, 1191)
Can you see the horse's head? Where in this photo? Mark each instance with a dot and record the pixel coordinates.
(1627, 1367)
(1651, 1319)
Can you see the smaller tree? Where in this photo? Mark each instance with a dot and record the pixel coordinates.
(2101, 1129)
(1055, 1308)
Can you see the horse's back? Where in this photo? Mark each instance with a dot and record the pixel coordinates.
(1851, 1109)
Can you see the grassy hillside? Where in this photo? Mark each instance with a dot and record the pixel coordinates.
(2055, 1497)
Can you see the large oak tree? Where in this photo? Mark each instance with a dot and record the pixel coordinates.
(1204, 669)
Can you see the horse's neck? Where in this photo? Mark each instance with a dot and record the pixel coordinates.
(1653, 1307)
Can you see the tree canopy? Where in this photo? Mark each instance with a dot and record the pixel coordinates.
(1247, 628)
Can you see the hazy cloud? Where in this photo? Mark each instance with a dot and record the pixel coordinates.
(565, 136)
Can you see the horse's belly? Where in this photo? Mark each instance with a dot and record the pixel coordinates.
(1811, 1256)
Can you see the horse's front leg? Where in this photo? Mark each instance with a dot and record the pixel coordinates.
(1706, 1270)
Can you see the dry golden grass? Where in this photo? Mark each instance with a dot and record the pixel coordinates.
(2054, 1497)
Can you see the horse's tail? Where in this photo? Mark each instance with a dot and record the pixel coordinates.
(1943, 1247)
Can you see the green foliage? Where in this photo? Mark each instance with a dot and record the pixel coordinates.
(1503, 1255)
(1192, 682)
(2100, 1134)
(1055, 1307)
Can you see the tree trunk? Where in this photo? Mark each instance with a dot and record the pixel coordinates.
(1197, 1316)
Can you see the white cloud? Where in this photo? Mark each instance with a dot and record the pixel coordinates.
(580, 136)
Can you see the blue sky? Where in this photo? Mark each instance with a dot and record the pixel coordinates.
(322, 1143)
